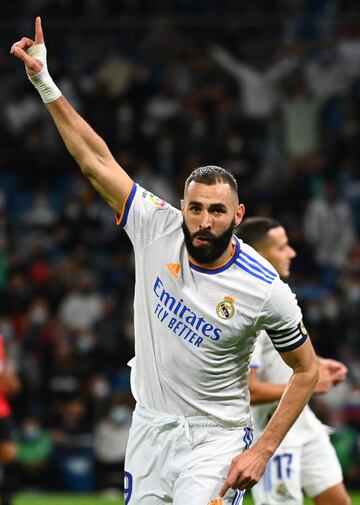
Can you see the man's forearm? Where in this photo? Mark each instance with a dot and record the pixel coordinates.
(85, 146)
(91, 153)
(293, 401)
(82, 142)
(265, 392)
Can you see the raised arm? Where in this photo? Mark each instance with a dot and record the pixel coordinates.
(231, 64)
(247, 468)
(86, 147)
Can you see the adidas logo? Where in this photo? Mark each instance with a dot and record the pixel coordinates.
(174, 269)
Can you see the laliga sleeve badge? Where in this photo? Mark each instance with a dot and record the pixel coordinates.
(226, 308)
(153, 199)
(302, 329)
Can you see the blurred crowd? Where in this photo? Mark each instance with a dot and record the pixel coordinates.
(267, 89)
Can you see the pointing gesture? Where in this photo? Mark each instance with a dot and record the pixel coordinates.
(33, 54)
(245, 470)
(24, 50)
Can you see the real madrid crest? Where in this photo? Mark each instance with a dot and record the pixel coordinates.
(226, 308)
(281, 489)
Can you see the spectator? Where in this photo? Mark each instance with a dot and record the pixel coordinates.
(35, 451)
(110, 443)
(83, 306)
(329, 228)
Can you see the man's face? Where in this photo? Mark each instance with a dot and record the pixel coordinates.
(276, 249)
(210, 214)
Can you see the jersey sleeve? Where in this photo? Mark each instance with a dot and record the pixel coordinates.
(256, 357)
(145, 217)
(281, 318)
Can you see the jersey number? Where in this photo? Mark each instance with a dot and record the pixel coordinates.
(283, 464)
(128, 486)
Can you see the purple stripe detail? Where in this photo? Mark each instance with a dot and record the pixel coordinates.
(256, 268)
(273, 274)
(253, 273)
(128, 205)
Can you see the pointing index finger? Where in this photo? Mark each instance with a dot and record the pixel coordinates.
(39, 37)
(224, 489)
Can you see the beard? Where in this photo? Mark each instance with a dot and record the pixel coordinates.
(211, 251)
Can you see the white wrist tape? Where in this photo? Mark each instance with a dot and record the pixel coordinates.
(42, 80)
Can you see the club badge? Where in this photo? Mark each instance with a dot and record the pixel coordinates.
(226, 308)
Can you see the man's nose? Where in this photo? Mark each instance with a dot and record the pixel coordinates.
(206, 221)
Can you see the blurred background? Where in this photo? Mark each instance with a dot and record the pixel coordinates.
(270, 90)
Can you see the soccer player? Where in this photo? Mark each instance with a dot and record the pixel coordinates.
(201, 296)
(305, 460)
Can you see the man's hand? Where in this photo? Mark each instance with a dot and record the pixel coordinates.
(20, 50)
(336, 369)
(325, 381)
(245, 470)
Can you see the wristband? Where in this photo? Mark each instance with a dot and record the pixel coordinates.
(42, 81)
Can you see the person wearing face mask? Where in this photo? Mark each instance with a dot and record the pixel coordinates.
(110, 441)
(34, 454)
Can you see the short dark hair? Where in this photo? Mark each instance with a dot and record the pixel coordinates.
(255, 229)
(211, 174)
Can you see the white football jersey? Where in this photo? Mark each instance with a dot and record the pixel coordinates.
(195, 328)
(271, 368)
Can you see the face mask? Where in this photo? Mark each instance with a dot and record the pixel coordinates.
(120, 415)
(31, 432)
(85, 343)
(38, 315)
(353, 294)
(101, 389)
(313, 314)
(6, 331)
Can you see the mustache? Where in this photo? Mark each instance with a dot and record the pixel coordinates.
(203, 234)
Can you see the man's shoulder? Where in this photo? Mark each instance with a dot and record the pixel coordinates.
(255, 268)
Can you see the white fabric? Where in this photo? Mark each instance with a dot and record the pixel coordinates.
(325, 81)
(189, 361)
(312, 466)
(301, 125)
(110, 440)
(258, 89)
(305, 459)
(329, 228)
(179, 460)
(42, 80)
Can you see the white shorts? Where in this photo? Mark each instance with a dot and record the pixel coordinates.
(180, 460)
(312, 467)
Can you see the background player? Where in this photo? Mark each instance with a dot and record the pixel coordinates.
(199, 301)
(305, 459)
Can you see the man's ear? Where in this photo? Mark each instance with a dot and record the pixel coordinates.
(239, 214)
(182, 205)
